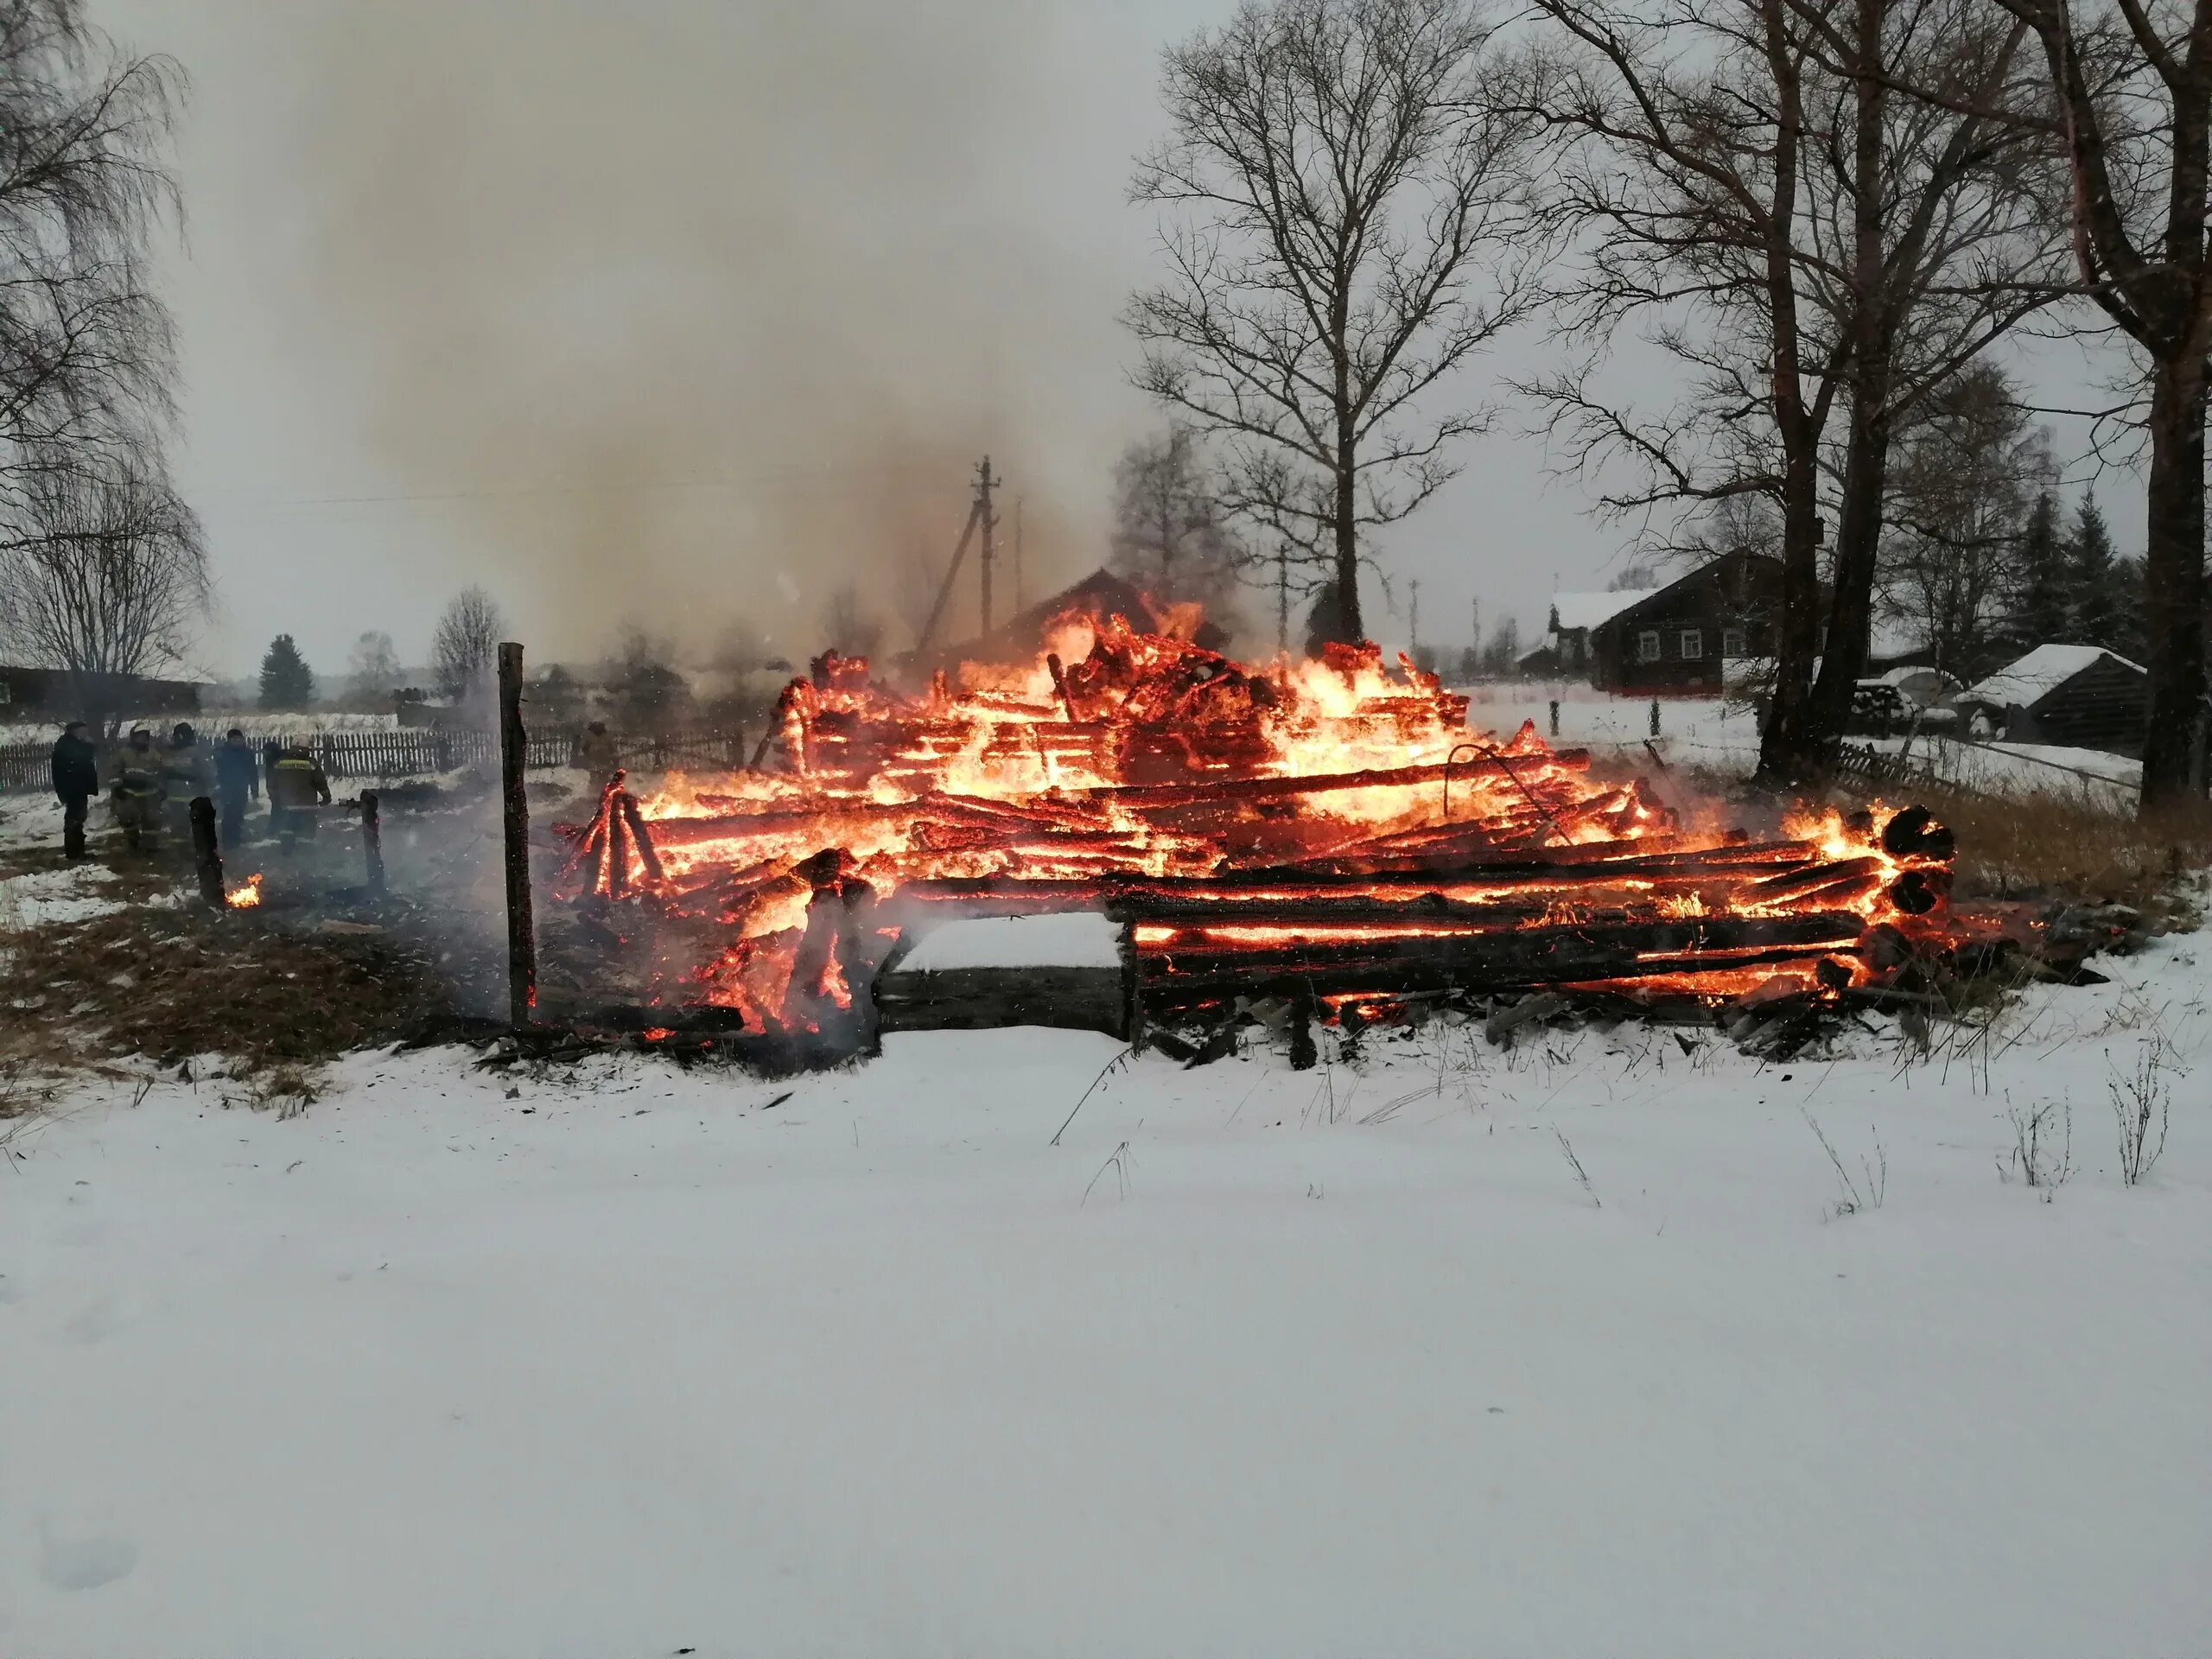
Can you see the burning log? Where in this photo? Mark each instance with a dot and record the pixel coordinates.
(1177, 970)
(618, 842)
(1156, 797)
(1263, 833)
(1060, 684)
(641, 839)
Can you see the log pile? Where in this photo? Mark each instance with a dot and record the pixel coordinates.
(1327, 836)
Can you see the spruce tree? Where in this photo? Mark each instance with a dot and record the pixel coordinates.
(2041, 615)
(286, 681)
(2095, 606)
(2132, 639)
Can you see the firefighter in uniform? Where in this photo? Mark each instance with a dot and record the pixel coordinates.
(136, 787)
(596, 754)
(191, 771)
(295, 783)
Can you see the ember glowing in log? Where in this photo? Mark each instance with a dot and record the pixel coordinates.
(1331, 820)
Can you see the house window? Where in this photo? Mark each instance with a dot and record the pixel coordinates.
(1693, 644)
(1647, 646)
(1731, 643)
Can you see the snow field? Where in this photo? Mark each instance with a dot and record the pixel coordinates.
(1255, 1362)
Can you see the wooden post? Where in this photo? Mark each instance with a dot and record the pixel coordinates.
(1305, 1053)
(522, 940)
(372, 841)
(205, 852)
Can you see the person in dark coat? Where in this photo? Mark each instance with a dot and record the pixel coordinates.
(237, 779)
(76, 780)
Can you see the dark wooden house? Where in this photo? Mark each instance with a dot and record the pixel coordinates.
(1677, 638)
(2082, 697)
(56, 694)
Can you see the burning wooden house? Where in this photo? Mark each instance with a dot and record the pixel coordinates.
(1326, 836)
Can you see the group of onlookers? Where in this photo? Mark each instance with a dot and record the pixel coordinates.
(150, 788)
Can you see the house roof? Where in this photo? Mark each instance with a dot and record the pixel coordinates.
(2037, 675)
(1574, 611)
(1099, 594)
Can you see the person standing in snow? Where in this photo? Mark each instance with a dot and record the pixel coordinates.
(76, 780)
(237, 779)
(190, 770)
(296, 783)
(136, 787)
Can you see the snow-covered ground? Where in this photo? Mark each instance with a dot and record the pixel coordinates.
(1254, 1361)
(2029, 768)
(1707, 732)
(1715, 735)
(33, 898)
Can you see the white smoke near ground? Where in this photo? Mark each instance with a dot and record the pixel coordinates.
(708, 309)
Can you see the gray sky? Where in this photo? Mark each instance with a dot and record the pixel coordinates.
(684, 311)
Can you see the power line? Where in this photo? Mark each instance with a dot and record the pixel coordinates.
(829, 477)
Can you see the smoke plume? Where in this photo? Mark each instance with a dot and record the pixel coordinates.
(704, 310)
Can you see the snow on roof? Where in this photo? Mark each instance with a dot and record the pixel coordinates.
(1577, 611)
(2037, 675)
(1070, 939)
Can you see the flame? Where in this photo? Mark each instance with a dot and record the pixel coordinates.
(245, 896)
(1114, 757)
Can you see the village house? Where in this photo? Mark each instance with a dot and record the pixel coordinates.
(1674, 640)
(56, 694)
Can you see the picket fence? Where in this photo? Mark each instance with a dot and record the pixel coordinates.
(383, 756)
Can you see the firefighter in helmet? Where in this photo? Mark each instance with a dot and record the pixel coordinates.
(296, 784)
(138, 785)
(188, 770)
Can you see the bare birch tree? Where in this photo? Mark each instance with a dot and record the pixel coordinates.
(1333, 175)
(2133, 85)
(1171, 531)
(1935, 230)
(1969, 469)
(1682, 127)
(1817, 207)
(86, 349)
(106, 579)
(102, 569)
(466, 638)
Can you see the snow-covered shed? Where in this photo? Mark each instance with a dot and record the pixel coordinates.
(2081, 695)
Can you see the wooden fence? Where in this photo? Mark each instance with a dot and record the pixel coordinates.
(382, 756)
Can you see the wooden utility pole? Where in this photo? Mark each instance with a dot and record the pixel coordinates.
(522, 936)
(928, 635)
(1282, 597)
(988, 521)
